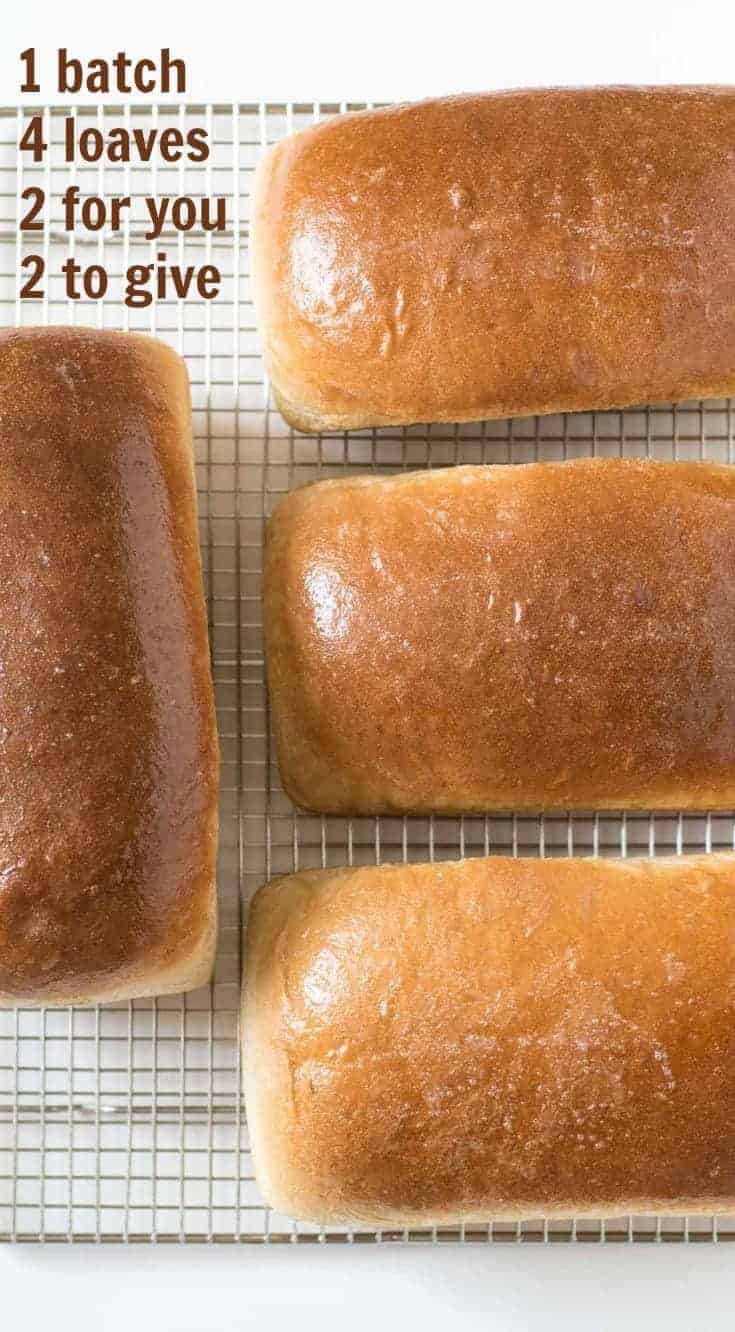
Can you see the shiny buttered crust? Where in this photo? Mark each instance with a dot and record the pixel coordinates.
(554, 635)
(499, 255)
(431, 1044)
(108, 745)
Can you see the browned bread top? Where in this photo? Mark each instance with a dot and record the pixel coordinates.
(438, 1043)
(500, 255)
(555, 635)
(108, 749)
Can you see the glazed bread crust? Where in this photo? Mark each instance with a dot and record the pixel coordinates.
(500, 255)
(109, 758)
(431, 1044)
(554, 635)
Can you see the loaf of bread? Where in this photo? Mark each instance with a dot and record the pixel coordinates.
(108, 746)
(430, 1044)
(500, 255)
(555, 635)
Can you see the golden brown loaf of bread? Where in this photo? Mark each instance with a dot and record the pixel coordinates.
(500, 255)
(442, 1043)
(108, 747)
(549, 635)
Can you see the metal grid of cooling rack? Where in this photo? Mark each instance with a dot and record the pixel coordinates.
(125, 1122)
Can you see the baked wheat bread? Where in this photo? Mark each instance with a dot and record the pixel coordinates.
(499, 255)
(555, 635)
(431, 1044)
(108, 747)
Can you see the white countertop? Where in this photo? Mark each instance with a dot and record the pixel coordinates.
(577, 1289)
(383, 49)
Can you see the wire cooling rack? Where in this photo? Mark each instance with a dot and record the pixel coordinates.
(125, 1122)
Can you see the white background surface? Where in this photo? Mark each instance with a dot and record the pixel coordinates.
(376, 49)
